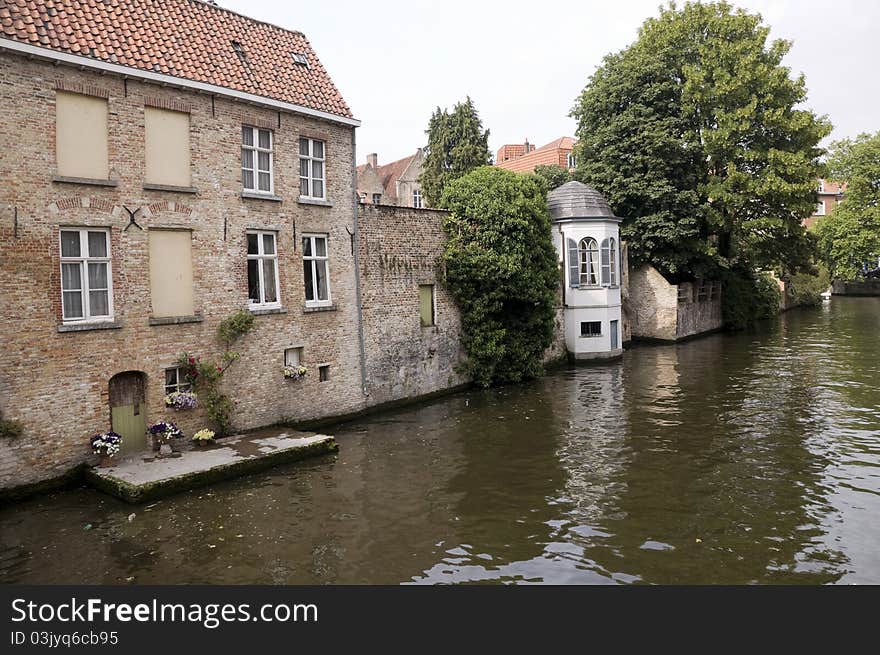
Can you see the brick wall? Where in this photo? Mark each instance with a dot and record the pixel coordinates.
(56, 383)
(400, 249)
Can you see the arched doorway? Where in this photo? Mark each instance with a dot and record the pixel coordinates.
(127, 407)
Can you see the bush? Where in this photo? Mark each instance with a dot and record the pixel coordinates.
(748, 296)
(501, 268)
(806, 289)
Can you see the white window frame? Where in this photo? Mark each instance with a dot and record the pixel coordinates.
(256, 149)
(84, 260)
(310, 160)
(289, 358)
(820, 208)
(260, 256)
(590, 336)
(314, 260)
(180, 385)
(417, 199)
(585, 259)
(572, 160)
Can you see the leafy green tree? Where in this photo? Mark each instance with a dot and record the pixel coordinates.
(501, 268)
(554, 175)
(849, 238)
(695, 135)
(457, 144)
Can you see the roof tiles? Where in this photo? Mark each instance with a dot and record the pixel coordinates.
(182, 38)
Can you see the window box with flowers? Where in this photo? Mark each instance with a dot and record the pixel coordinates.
(181, 400)
(294, 373)
(106, 446)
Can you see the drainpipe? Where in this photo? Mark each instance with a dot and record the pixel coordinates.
(357, 267)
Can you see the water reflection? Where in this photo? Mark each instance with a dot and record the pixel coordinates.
(752, 458)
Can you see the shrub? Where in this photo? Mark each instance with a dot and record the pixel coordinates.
(10, 429)
(748, 296)
(501, 268)
(806, 289)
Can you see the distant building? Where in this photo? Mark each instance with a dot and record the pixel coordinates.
(830, 194)
(396, 183)
(524, 157)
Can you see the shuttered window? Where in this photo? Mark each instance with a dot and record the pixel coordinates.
(171, 277)
(81, 136)
(426, 304)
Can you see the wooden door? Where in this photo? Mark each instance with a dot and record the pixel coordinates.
(127, 411)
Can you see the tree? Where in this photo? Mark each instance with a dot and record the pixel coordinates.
(501, 268)
(457, 144)
(849, 238)
(554, 175)
(695, 136)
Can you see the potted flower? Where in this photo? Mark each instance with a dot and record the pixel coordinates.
(203, 437)
(181, 400)
(163, 433)
(294, 372)
(106, 446)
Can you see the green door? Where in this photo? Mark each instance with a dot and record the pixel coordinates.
(127, 411)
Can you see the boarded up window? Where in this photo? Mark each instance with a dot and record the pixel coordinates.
(166, 139)
(171, 281)
(426, 304)
(81, 136)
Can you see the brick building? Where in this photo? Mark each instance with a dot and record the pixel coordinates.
(524, 157)
(830, 194)
(395, 184)
(183, 162)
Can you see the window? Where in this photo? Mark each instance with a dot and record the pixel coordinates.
(175, 380)
(572, 160)
(821, 186)
(293, 356)
(324, 372)
(166, 147)
(612, 328)
(86, 284)
(300, 58)
(262, 266)
(609, 269)
(171, 277)
(377, 198)
(316, 272)
(362, 197)
(583, 263)
(417, 198)
(256, 160)
(820, 209)
(81, 136)
(311, 168)
(591, 329)
(426, 304)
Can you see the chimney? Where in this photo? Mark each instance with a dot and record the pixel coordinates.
(528, 148)
(373, 160)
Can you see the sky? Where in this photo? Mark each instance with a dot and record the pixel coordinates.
(524, 64)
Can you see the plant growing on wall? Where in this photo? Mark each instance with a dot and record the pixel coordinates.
(206, 377)
(10, 429)
(501, 268)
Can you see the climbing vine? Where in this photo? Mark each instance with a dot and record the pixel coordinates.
(206, 377)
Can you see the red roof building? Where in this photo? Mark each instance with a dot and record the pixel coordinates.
(524, 157)
(830, 194)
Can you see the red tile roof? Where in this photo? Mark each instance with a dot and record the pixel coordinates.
(390, 173)
(183, 38)
(554, 153)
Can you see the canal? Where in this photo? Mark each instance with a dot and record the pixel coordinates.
(746, 458)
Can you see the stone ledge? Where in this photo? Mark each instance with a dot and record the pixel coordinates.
(175, 320)
(64, 179)
(320, 308)
(170, 187)
(85, 327)
(135, 481)
(252, 195)
(314, 201)
(266, 312)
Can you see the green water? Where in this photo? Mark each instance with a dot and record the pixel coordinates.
(747, 458)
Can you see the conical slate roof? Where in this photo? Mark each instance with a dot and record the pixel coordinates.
(577, 200)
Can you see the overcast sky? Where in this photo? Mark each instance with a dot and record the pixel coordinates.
(524, 63)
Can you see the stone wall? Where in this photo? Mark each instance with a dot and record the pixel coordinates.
(56, 382)
(400, 249)
(659, 310)
(856, 288)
